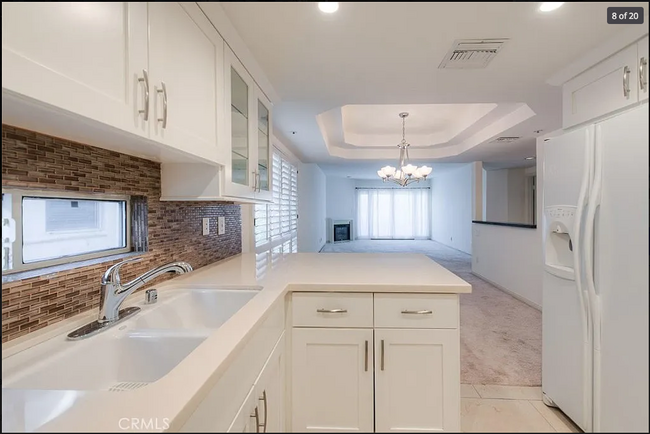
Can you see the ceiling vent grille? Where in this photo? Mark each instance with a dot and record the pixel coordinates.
(505, 139)
(472, 53)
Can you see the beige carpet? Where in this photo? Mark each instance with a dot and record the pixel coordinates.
(501, 337)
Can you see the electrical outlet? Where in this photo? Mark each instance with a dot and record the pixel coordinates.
(206, 226)
(221, 225)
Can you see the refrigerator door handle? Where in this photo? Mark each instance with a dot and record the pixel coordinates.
(578, 263)
(578, 256)
(588, 247)
(594, 299)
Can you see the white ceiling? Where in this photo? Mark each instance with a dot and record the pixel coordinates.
(379, 125)
(388, 53)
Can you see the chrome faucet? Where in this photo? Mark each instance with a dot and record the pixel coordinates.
(113, 293)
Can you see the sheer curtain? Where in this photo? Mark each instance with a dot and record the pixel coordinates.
(393, 213)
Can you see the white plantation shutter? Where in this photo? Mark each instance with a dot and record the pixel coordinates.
(276, 225)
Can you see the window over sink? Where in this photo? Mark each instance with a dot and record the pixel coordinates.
(44, 228)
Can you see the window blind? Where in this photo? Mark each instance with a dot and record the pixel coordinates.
(276, 225)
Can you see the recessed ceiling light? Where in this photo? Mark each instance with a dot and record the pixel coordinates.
(550, 6)
(530, 158)
(328, 7)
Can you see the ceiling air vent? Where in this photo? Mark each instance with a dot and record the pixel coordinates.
(471, 53)
(505, 139)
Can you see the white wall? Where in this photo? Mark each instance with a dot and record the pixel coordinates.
(496, 196)
(452, 207)
(517, 195)
(509, 257)
(311, 208)
(505, 195)
(341, 198)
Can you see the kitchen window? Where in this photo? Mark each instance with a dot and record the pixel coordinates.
(276, 225)
(41, 229)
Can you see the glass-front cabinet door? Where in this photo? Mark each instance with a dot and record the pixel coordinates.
(263, 172)
(240, 157)
(240, 174)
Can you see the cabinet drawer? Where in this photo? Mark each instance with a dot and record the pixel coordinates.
(315, 309)
(431, 311)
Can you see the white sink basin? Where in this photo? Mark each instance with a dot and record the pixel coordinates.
(195, 309)
(110, 362)
(131, 354)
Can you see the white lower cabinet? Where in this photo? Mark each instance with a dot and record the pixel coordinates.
(263, 408)
(332, 380)
(417, 380)
(385, 375)
(269, 391)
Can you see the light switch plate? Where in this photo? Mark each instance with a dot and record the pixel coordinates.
(206, 226)
(221, 225)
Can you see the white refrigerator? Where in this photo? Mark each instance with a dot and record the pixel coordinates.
(595, 280)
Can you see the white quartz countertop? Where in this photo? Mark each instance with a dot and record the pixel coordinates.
(171, 400)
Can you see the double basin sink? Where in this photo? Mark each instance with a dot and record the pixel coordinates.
(131, 354)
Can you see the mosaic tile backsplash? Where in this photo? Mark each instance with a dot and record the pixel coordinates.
(34, 160)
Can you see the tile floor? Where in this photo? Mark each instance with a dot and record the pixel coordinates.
(487, 408)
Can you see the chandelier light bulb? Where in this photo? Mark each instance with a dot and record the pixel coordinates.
(328, 7)
(409, 169)
(381, 173)
(388, 170)
(425, 170)
(418, 173)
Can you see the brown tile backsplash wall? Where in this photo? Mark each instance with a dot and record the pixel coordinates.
(34, 160)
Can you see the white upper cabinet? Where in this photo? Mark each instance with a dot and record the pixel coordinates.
(264, 158)
(617, 82)
(86, 58)
(185, 56)
(248, 132)
(643, 68)
(159, 72)
(240, 128)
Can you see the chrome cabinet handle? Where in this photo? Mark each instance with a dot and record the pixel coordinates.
(266, 410)
(366, 359)
(332, 310)
(256, 415)
(643, 71)
(163, 90)
(417, 312)
(254, 180)
(145, 80)
(382, 355)
(258, 181)
(626, 82)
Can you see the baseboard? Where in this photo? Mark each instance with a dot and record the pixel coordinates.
(451, 247)
(507, 291)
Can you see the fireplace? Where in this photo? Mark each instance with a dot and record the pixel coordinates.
(342, 232)
(339, 231)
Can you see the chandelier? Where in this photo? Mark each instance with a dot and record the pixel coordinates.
(407, 173)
